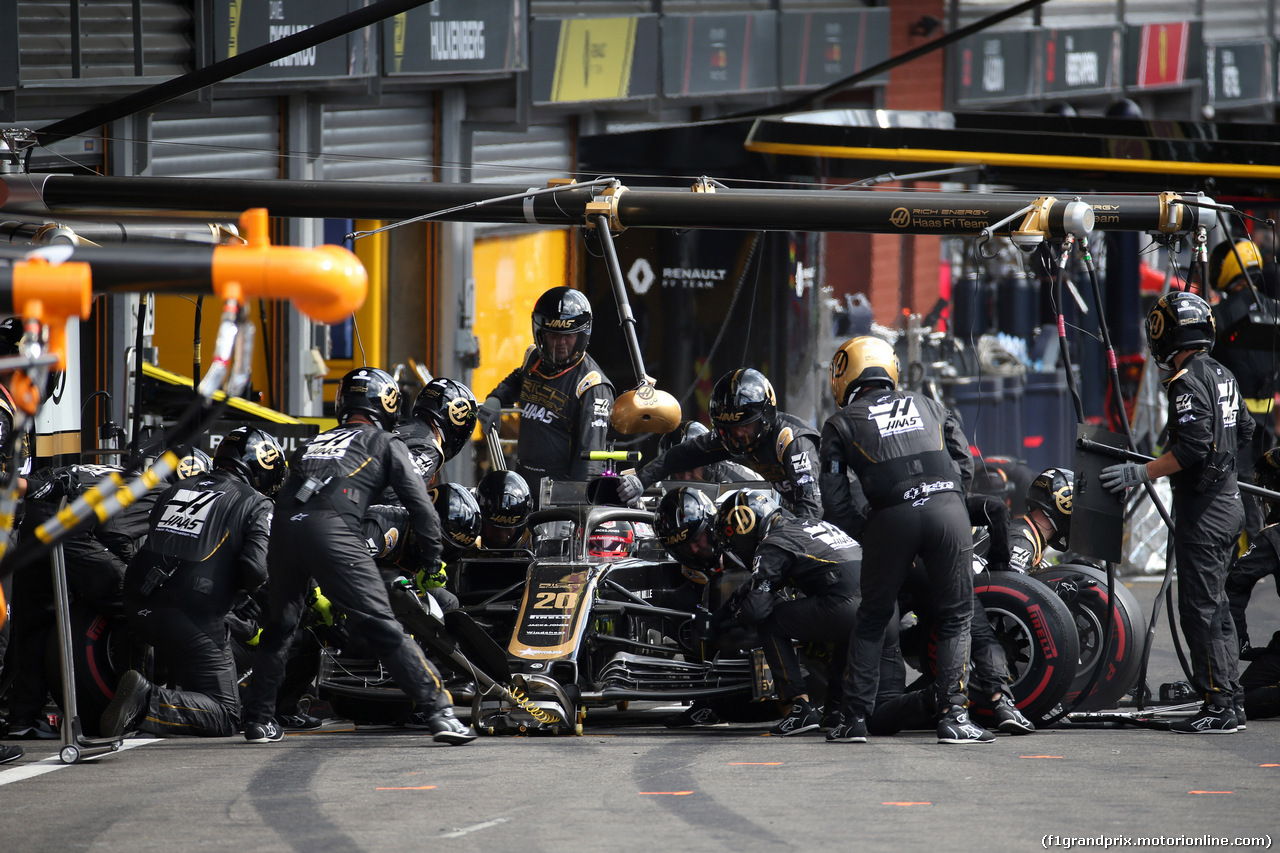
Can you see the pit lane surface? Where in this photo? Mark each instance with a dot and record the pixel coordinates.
(631, 784)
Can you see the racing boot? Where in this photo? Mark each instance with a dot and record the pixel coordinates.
(955, 727)
(127, 707)
(803, 718)
(449, 729)
(696, 715)
(850, 729)
(1009, 719)
(300, 721)
(268, 732)
(1209, 720)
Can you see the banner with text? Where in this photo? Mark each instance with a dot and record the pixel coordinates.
(456, 37)
(992, 67)
(594, 59)
(1240, 73)
(833, 45)
(241, 25)
(1080, 61)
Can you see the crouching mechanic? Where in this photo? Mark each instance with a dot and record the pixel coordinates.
(317, 532)
(206, 541)
(1047, 523)
(1261, 679)
(1208, 424)
(913, 463)
(817, 559)
(748, 430)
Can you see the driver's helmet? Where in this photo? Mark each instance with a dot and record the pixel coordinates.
(612, 540)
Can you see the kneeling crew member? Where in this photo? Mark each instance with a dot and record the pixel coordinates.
(816, 558)
(207, 541)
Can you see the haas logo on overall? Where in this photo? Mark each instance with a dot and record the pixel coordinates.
(897, 416)
(187, 511)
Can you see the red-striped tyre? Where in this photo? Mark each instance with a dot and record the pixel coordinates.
(1084, 590)
(1039, 639)
(1038, 636)
(102, 649)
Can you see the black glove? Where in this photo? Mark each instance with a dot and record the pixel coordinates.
(630, 489)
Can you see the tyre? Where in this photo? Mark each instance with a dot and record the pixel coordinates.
(1084, 590)
(1038, 636)
(102, 650)
(1039, 639)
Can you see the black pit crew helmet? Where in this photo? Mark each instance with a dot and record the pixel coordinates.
(743, 398)
(460, 518)
(743, 520)
(683, 523)
(1179, 321)
(561, 311)
(255, 455)
(860, 363)
(371, 391)
(505, 504)
(451, 408)
(191, 462)
(687, 431)
(1051, 492)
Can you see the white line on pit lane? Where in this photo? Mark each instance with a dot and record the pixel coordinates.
(458, 833)
(52, 763)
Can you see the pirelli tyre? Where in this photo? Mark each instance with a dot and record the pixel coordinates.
(1038, 636)
(102, 649)
(1084, 590)
(1034, 628)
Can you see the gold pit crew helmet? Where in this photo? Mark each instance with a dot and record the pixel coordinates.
(860, 362)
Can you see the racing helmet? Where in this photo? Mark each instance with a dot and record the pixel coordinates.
(740, 398)
(561, 311)
(687, 431)
(612, 540)
(254, 454)
(505, 504)
(192, 461)
(860, 363)
(1051, 493)
(451, 408)
(368, 390)
(1225, 267)
(682, 517)
(460, 519)
(1179, 321)
(743, 519)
